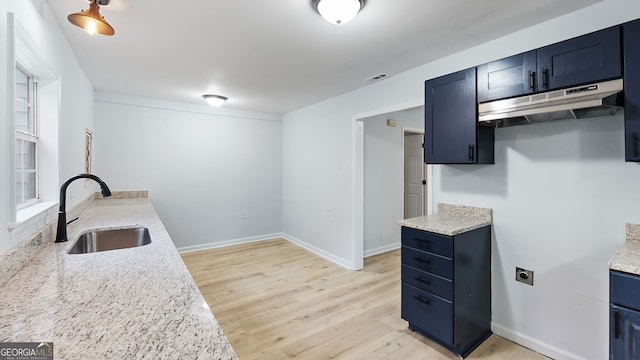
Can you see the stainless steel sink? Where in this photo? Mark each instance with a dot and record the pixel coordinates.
(104, 240)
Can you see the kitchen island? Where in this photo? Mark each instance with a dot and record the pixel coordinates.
(136, 303)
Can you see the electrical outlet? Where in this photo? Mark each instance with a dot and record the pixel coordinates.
(524, 276)
(382, 237)
(245, 214)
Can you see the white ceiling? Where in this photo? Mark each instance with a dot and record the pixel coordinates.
(280, 55)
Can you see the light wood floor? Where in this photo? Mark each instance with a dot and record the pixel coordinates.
(275, 300)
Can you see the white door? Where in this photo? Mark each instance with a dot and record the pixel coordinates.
(413, 175)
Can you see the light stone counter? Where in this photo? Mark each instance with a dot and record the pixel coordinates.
(138, 303)
(451, 220)
(627, 259)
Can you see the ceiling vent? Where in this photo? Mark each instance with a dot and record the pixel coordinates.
(377, 77)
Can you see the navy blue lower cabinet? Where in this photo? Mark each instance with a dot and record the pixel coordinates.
(446, 286)
(624, 316)
(625, 333)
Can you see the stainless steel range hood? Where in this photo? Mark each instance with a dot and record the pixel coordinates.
(592, 100)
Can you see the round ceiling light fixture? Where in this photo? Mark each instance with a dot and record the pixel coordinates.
(338, 12)
(91, 21)
(215, 100)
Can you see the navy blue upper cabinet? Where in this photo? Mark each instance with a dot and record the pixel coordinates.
(585, 59)
(581, 60)
(452, 132)
(631, 36)
(509, 77)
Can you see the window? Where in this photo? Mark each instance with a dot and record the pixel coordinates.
(26, 139)
(33, 96)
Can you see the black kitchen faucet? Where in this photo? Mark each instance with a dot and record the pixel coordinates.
(61, 234)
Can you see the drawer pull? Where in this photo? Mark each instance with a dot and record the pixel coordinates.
(616, 324)
(424, 240)
(428, 262)
(425, 301)
(419, 279)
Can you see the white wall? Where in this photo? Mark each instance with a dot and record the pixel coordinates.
(383, 177)
(75, 102)
(561, 193)
(203, 167)
(5, 134)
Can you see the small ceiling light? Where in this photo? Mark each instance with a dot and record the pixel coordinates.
(91, 21)
(215, 100)
(338, 11)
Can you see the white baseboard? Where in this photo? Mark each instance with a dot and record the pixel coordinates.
(382, 249)
(324, 254)
(219, 244)
(534, 344)
(340, 261)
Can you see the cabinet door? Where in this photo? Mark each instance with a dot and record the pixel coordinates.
(585, 59)
(624, 340)
(451, 119)
(631, 35)
(509, 77)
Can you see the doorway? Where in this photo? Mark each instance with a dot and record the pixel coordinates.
(358, 158)
(414, 180)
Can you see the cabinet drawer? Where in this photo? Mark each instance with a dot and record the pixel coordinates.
(428, 282)
(428, 313)
(625, 289)
(426, 261)
(434, 243)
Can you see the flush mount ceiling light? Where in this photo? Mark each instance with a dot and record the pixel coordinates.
(215, 100)
(91, 21)
(338, 11)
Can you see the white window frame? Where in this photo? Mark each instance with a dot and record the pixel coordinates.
(23, 52)
(30, 136)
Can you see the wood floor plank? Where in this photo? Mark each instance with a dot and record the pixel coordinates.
(275, 300)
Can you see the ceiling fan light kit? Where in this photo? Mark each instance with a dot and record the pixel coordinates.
(91, 21)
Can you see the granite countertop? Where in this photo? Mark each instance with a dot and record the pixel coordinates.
(138, 303)
(627, 259)
(451, 220)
